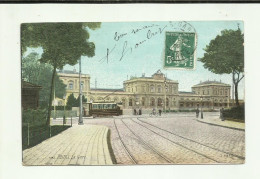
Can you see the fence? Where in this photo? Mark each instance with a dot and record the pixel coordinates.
(33, 135)
(60, 113)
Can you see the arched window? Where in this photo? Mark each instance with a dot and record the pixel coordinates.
(167, 102)
(152, 102)
(159, 89)
(123, 102)
(152, 88)
(159, 102)
(115, 100)
(143, 101)
(130, 102)
(71, 85)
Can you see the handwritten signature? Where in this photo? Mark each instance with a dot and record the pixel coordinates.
(151, 31)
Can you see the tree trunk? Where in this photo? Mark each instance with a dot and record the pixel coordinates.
(236, 94)
(51, 96)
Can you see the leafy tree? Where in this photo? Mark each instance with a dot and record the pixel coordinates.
(84, 100)
(62, 43)
(38, 73)
(225, 54)
(71, 101)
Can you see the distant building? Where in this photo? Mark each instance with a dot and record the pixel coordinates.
(30, 95)
(71, 80)
(152, 92)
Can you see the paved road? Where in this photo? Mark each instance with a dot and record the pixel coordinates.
(175, 138)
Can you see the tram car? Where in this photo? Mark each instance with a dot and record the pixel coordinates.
(101, 109)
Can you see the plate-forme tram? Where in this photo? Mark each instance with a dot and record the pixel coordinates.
(101, 109)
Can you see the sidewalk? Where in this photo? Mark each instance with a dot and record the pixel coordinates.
(217, 122)
(78, 145)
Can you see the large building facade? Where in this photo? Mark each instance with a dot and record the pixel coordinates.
(156, 91)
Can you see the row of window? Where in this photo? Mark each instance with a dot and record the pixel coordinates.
(159, 102)
(71, 85)
(152, 89)
(215, 92)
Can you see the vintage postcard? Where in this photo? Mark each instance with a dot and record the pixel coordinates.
(131, 93)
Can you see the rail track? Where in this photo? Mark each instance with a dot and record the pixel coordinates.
(130, 155)
(185, 138)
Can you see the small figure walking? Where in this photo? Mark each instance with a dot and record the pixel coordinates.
(197, 112)
(160, 112)
(134, 111)
(221, 114)
(153, 111)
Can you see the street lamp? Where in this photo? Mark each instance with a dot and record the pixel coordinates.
(80, 95)
(201, 98)
(165, 88)
(64, 117)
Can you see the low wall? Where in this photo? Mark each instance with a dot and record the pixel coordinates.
(60, 113)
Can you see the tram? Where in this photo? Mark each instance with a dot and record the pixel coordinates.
(101, 109)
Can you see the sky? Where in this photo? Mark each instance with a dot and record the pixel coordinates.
(129, 55)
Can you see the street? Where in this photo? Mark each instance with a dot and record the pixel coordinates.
(176, 138)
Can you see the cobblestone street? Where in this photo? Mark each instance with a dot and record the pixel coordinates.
(172, 138)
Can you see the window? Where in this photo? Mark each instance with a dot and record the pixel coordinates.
(143, 101)
(123, 102)
(159, 102)
(159, 89)
(152, 102)
(71, 85)
(130, 102)
(167, 102)
(152, 88)
(143, 89)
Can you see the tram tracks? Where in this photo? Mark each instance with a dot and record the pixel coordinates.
(142, 142)
(227, 154)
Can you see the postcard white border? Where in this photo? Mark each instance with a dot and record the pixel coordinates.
(11, 16)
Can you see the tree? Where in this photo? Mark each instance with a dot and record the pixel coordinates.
(62, 43)
(39, 73)
(71, 101)
(225, 54)
(84, 100)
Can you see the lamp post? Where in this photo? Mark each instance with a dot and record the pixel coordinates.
(165, 88)
(80, 95)
(64, 117)
(201, 98)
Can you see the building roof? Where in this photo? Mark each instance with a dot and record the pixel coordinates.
(68, 71)
(186, 92)
(26, 84)
(211, 83)
(107, 89)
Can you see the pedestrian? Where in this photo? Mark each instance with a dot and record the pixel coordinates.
(153, 111)
(140, 111)
(134, 111)
(160, 112)
(197, 112)
(221, 114)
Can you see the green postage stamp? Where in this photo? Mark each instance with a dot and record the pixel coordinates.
(180, 48)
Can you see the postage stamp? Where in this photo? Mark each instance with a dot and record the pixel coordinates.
(111, 93)
(180, 50)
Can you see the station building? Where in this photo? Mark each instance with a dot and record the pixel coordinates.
(151, 92)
